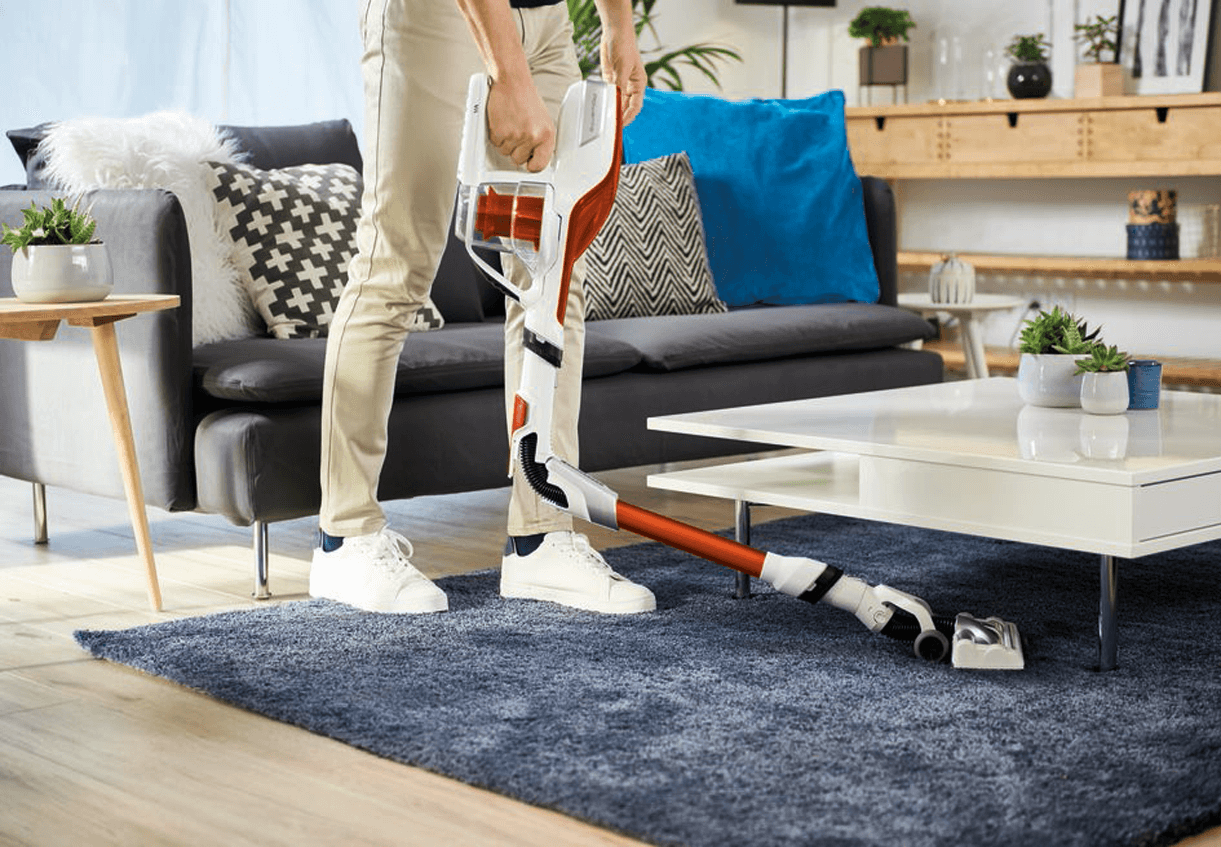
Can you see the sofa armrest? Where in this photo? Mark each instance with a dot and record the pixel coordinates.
(53, 423)
(883, 238)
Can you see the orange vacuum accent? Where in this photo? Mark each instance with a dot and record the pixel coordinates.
(521, 410)
(590, 212)
(509, 216)
(698, 542)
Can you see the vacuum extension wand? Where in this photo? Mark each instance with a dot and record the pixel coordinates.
(546, 220)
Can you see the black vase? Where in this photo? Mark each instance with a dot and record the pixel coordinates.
(1029, 79)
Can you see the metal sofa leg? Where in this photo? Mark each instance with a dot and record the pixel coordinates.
(40, 513)
(261, 589)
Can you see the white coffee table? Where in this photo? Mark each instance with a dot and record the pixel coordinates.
(970, 457)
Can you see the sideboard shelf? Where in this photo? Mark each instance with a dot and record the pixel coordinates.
(1165, 135)
(1132, 136)
(1074, 267)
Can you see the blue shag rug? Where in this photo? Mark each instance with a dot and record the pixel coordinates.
(767, 721)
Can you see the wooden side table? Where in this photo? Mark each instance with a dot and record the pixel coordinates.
(972, 343)
(40, 322)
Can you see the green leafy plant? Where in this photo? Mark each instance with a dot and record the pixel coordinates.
(1056, 331)
(1103, 359)
(1028, 48)
(880, 24)
(54, 224)
(661, 65)
(1098, 35)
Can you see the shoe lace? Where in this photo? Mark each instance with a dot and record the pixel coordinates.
(391, 551)
(590, 557)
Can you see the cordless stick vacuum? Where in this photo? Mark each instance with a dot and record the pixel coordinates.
(547, 220)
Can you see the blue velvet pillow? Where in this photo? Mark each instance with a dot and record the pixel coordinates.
(782, 204)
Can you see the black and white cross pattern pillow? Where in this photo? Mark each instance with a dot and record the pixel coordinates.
(650, 257)
(294, 233)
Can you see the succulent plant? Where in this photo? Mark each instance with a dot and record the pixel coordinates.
(1103, 359)
(54, 224)
(1057, 331)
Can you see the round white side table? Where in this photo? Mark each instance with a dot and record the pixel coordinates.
(972, 343)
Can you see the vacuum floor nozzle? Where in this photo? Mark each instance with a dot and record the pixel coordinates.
(986, 644)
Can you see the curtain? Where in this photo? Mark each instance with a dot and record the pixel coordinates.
(259, 62)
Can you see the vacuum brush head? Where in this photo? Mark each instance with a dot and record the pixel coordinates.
(987, 644)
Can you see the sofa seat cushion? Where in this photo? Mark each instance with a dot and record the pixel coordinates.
(459, 357)
(767, 332)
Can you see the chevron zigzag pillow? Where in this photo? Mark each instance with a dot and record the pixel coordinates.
(294, 233)
(650, 257)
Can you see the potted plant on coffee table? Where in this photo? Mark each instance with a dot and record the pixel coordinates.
(884, 60)
(56, 259)
(1104, 386)
(1100, 75)
(1029, 75)
(1050, 344)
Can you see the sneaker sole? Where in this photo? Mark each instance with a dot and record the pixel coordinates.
(575, 601)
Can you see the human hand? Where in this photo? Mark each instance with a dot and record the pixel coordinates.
(622, 66)
(519, 125)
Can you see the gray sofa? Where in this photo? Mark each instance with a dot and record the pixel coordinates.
(232, 428)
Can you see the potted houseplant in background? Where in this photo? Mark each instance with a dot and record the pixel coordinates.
(1029, 75)
(56, 259)
(1100, 76)
(1050, 344)
(884, 60)
(1104, 386)
(661, 64)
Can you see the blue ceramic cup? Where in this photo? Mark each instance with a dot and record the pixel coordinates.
(1144, 383)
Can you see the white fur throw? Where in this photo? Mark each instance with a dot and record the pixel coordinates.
(168, 150)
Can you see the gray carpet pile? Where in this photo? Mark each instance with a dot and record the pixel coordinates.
(768, 721)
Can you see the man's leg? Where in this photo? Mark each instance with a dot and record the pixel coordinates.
(417, 59)
(544, 559)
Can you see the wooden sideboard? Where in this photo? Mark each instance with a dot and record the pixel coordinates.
(1168, 135)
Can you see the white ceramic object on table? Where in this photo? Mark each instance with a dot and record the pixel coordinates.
(1105, 393)
(62, 273)
(1047, 379)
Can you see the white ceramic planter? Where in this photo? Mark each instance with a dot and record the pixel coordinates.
(1046, 379)
(62, 273)
(1105, 393)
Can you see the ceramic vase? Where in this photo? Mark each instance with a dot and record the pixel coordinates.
(62, 273)
(1105, 393)
(1047, 379)
(1029, 79)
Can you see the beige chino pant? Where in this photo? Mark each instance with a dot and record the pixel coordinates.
(418, 59)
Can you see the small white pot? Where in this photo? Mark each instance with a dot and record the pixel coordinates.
(1046, 379)
(62, 273)
(1105, 393)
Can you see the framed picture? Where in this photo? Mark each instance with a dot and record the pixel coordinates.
(1164, 44)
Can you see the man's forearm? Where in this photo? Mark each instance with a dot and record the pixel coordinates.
(495, 33)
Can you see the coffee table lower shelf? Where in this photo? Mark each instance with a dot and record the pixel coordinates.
(852, 486)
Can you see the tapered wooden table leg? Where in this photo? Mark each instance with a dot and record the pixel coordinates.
(106, 348)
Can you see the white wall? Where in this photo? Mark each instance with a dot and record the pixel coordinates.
(292, 61)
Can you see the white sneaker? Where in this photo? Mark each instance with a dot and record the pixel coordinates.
(374, 573)
(565, 569)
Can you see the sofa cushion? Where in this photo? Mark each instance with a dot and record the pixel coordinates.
(25, 141)
(766, 332)
(320, 143)
(293, 233)
(782, 204)
(649, 258)
(267, 370)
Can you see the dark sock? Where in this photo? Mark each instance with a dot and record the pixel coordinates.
(329, 543)
(524, 545)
